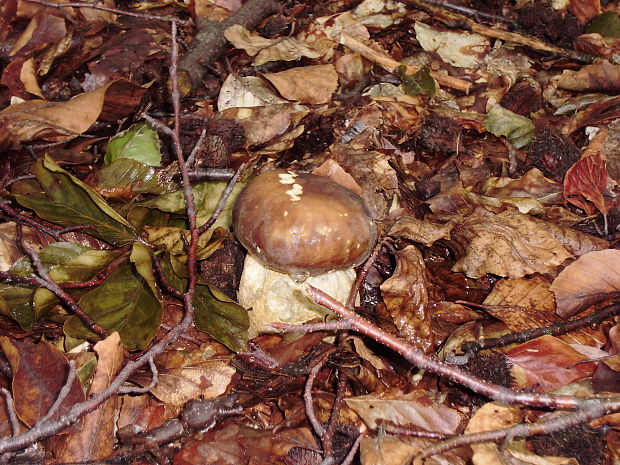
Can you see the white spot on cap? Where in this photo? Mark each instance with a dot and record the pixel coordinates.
(285, 213)
(323, 230)
(287, 178)
(295, 192)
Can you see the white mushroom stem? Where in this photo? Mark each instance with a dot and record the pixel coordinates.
(275, 297)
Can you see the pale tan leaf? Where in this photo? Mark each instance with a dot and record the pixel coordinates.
(423, 231)
(508, 244)
(590, 279)
(460, 49)
(308, 84)
(245, 92)
(407, 410)
(387, 450)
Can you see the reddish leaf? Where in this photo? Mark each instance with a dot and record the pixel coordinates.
(586, 182)
(550, 363)
(39, 373)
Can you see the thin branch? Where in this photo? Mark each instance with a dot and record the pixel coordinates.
(60, 6)
(145, 389)
(223, 199)
(314, 421)
(62, 395)
(555, 329)
(10, 407)
(422, 361)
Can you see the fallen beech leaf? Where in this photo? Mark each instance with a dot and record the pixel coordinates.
(585, 10)
(406, 296)
(39, 373)
(385, 449)
(460, 49)
(586, 182)
(508, 244)
(422, 231)
(96, 439)
(266, 50)
(246, 92)
(407, 410)
(308, 84)
(592, 278)
(549, 363)
(601, 76)
(54, 121)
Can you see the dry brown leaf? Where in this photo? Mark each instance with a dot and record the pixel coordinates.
(407, 410)
(406, 296)
(592, 278)
(601, 76)
(186, 375)
(53, 121)
(508, 244)
(531, 184)
(385, 449)
(266, 50)
(96, 439)
(246, 92)
(308, 84)
(527, 303)
(422, 231)
(332, 170)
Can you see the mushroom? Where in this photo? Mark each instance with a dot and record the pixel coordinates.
(298, 228)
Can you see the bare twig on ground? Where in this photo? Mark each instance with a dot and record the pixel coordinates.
(449, 17)
(95, 6)
(555, 329)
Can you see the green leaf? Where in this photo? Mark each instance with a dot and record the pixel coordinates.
(518, 129)
(70, 202)
(66, 263)
(125, 172)
(140, 142)
(420, 83)
(206, 197)
(124, 302)
(606, 24)
(141, 258)
(221, 317)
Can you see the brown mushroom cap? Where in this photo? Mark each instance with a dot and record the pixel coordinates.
(302, 224)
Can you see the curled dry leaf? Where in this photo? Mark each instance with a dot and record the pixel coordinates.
(406, 296)
(592, 278)
(508, 244)
(456, 48)
(308, 84)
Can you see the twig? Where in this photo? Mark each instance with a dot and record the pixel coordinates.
(453, 373)
(199, 144)
(590, 410)
(145, 389)
(389, 64)
(44, 430)
(351, 455)
(448, 17)
(555, 329)
(223, 199)
(62, 395)
(314, 421)
(60, 6)
(10, 408)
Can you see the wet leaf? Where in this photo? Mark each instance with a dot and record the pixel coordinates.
(606, 24)
(69, 202)
(125, 178)
(549, 363)
(124, 302)
(39, 373)
(590, 279)
(221, 317)
(420, 83)
(140, 143)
